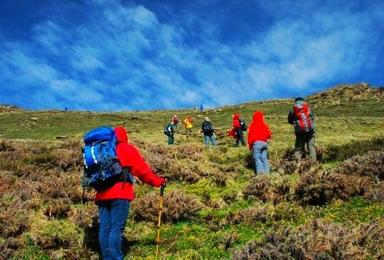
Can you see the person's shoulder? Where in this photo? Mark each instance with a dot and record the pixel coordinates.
(127, 146)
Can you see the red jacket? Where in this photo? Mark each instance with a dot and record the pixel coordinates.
(129, 156)
(236, 121)
(258, 129)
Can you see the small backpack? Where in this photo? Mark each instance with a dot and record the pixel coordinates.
(303, 120)
(101, 165)
(168, 129)
(207, 128)
(243, 125)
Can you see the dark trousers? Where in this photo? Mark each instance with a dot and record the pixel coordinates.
(112, 216)
(302, 140)
(239, 137)
(171, 139)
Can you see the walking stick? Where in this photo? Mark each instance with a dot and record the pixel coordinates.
(159, 220)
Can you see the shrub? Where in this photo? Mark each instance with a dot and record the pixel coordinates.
(266, 189)
(318, 240)
(250, 215)
(370, 164)
(177, 206)
(321, 188)
(289, 164)
(376, 193)
(260, 187)
(58, 209)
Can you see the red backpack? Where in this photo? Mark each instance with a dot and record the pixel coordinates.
(303, 122)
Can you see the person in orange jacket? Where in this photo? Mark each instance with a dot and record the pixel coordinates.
(188, 124)
(258, 135)
(114, 202)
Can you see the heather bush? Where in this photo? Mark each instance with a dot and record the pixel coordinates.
(289, 164)
(250, 215)
(318, 240)
(376, 193)
(259, 187)
(370, 164)
(177, 206)
(266, 189)
(319, 188)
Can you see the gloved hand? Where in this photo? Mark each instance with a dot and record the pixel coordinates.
(164, 182)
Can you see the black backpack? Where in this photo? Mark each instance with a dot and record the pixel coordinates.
(243, 125)
(207, 128)
(168, 129)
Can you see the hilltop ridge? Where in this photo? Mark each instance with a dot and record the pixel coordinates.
(349, 92)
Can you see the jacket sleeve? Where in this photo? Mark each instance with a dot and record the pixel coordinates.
(291, 117)
(130, 157)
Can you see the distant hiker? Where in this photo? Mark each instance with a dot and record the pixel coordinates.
(302, 118)
(188, 124)
(239, 127)
(169, 131)
(208, 131)
(201, 108)
(114, 202)
(176, 121)
(258, 134)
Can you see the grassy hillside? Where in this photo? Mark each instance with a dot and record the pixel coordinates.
(215, 206)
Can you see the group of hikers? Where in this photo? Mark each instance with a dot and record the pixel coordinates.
(301, 117)
(206, 129)
(114, 184)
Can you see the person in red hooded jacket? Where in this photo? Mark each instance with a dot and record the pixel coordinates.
(114, 202)
(236, 124)
(258, 134)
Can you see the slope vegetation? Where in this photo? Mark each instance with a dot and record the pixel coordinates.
(215, 206)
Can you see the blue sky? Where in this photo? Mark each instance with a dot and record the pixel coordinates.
(137, 55)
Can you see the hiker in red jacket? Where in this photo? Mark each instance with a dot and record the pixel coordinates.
(238, 129)
(258, 134)
(114, 202)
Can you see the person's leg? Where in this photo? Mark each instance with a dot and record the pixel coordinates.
(241, 135)
(237, 137)
(264, 157)
(299, 146)
(256, 150)
(104, 228)
(206, 140)
(213, 140)
(172, 139)
(311, 147)
(119, 214)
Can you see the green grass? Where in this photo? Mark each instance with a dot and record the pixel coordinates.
(348, 128)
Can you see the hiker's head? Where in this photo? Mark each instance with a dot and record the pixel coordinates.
(299, 99)
(258, 116)
(236, 116)
(121, 134)
(206, 118)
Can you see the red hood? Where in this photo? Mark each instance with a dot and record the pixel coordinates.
(236, 116)
(258, 116)
(121, 135)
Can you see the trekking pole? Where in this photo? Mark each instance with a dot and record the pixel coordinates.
(159, 220)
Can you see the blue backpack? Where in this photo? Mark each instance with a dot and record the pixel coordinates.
(101, 165)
